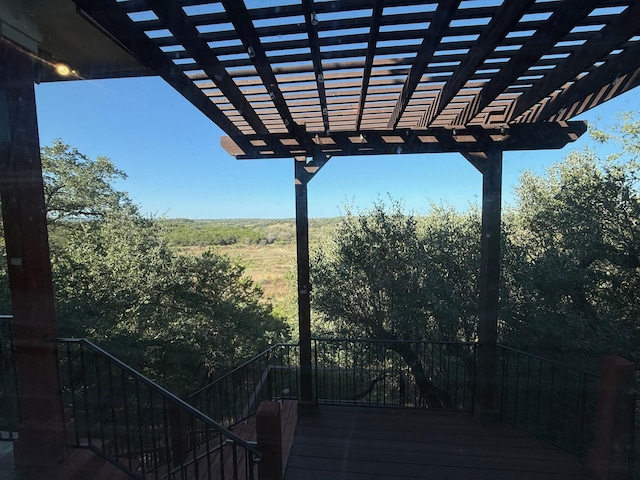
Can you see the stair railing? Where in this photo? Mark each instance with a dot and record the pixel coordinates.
(273, 374)
(141, 427)
(553, 401)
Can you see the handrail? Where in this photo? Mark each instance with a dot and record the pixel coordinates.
(393, 340)
(165, 393)
(551, 400)
(236, 395)
(135, 423)
(634, 436)
(543, 359)
(394, 373)
(235, 370)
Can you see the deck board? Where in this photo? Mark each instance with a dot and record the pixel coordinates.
(357, 443)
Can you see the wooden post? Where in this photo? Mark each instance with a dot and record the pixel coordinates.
(486, 393)
(304, 287)
(269, 439)
(609, 455)
(40, 447)
(179, 433)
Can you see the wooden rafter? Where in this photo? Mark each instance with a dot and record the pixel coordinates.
(311, 22)
(612, 35)
(594, 86)
(499, 26)
(241, 20)
(556, 27)
(177, 21)
(434, 34)
(409, 141)
(368, 63)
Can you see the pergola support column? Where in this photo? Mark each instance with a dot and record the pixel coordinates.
(486, 392)
(304, 286)
(40, 447)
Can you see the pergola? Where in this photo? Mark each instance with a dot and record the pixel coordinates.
(310, 80)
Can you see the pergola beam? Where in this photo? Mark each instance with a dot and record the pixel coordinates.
(539, 136)
(123, 30)
(372, 42)
(499, 26)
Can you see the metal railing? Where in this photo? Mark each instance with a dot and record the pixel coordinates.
(394, 373)
(273, 374)
(141, 427)
(555, 402)
(9, 406)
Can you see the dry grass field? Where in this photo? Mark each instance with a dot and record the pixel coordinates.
(271, 264)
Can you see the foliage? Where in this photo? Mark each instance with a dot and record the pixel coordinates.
(389, 276)
(579, 271)
(182, 232)
(77, 187)
(178, 318)
(386, 274)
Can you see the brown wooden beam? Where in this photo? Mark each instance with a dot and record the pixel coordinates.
(177, 21)
(243, 24)
(311, 22)
(590, 89)
(123, 30)
(39, 449)
(616, 33)
(372, 42)
(539, 136)
(498, 28)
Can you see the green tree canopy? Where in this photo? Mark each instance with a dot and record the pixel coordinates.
(388, 274)
(177, 318)
(575, 288)
(78, 187)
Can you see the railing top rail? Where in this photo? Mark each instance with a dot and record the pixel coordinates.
(377, 340)
(241, 366)
(165, 393)
(554, 362)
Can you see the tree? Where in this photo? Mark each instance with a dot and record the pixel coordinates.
(77, 187)
(574, 288)
(388, 275)
(177, 318)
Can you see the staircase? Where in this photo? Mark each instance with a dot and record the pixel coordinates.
(122, 425)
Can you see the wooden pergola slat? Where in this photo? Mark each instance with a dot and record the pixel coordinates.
(612, 35)
(557, 26)
(442, 18)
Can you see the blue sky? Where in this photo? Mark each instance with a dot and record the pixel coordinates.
(176, 167)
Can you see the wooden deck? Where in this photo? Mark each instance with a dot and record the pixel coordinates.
(358, 443)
